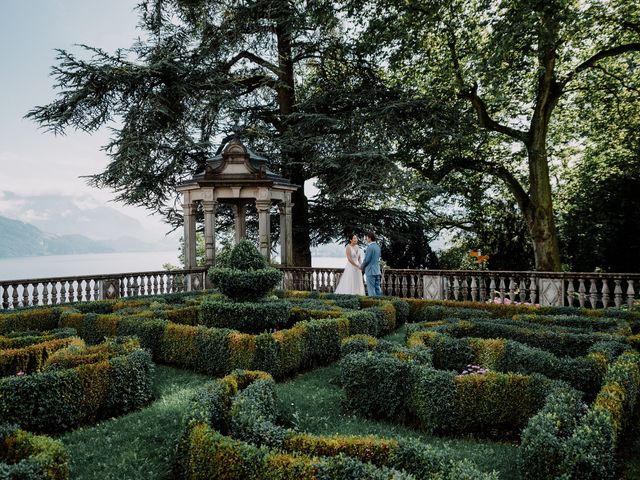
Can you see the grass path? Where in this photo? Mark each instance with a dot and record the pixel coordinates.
(139, 445)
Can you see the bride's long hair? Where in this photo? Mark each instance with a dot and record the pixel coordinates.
(350, 237)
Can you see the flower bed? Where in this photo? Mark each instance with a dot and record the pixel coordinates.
(34, 457)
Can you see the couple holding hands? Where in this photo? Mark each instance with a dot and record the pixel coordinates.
(351, 282)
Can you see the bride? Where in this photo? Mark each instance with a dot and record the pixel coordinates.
(351, 282)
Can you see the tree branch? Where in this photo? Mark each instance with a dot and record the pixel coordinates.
(485, 119)
(253, 58)
(257, 81)
(601, 55)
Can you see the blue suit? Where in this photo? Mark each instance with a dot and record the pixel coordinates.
(371, 269)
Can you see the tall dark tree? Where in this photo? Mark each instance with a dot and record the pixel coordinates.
(510, 63)
(279, 67)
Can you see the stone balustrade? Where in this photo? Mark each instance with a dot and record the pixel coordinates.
(60, 290)
(588, 290)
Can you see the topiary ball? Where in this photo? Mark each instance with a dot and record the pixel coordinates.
(245, 256)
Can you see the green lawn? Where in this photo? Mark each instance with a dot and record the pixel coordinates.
(139, 445)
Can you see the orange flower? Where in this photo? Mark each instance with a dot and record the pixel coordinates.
(482, 258)
(473, 253)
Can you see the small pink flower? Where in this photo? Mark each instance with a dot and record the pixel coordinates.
(21, 373)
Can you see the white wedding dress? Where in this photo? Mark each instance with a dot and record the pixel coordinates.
(351, 282)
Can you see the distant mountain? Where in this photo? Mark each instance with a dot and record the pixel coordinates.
(19, 239)
(65, 214)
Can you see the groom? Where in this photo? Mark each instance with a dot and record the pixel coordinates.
(371, 266)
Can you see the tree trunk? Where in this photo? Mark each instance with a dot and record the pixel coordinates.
(301, 231)
(286, 106)
(539, 211)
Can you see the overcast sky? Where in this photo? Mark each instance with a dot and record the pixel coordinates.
(33, 162)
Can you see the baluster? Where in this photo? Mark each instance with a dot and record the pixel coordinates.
(404, 286)
(154, 284)
(25, 295)
(617, 293)
(512, 289)
(73, 292)
(522, 291)
(87, 290)
(130, 291)
(96, 289)
(54, 293)
(630, 294)
(483, 288)
(464, 288)
(162, 284)
(14, 296)
(533, 289)
(412, 286)
(63, 292)
(605, 293)
(5, 297)
(570, 293)
(593, 293)
(35, 300)
(45, 293)
(502, 289)
(456, 288)
(492, 287)
(474, 289)
(581, 292)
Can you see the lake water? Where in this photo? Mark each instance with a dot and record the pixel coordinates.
(96, 263)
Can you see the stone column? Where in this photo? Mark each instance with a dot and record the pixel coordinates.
(240, 221)
(189, 211)
(264, 227)
(210, 231)
(286, 233)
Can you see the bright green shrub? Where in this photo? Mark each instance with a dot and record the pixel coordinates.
(248, 317)
(376, 385)
(33, 457)
(357, 344)
(97, 306)
(39, 319)
(242, 285)
(363, 322)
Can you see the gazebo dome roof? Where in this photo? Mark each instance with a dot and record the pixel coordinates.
(237, 164)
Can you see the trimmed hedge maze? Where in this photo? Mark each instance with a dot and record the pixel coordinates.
(234, 422)
(560, 383)
(74, 385)
(565, 383)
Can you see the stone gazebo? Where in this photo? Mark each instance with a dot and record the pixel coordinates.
(237, 176)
